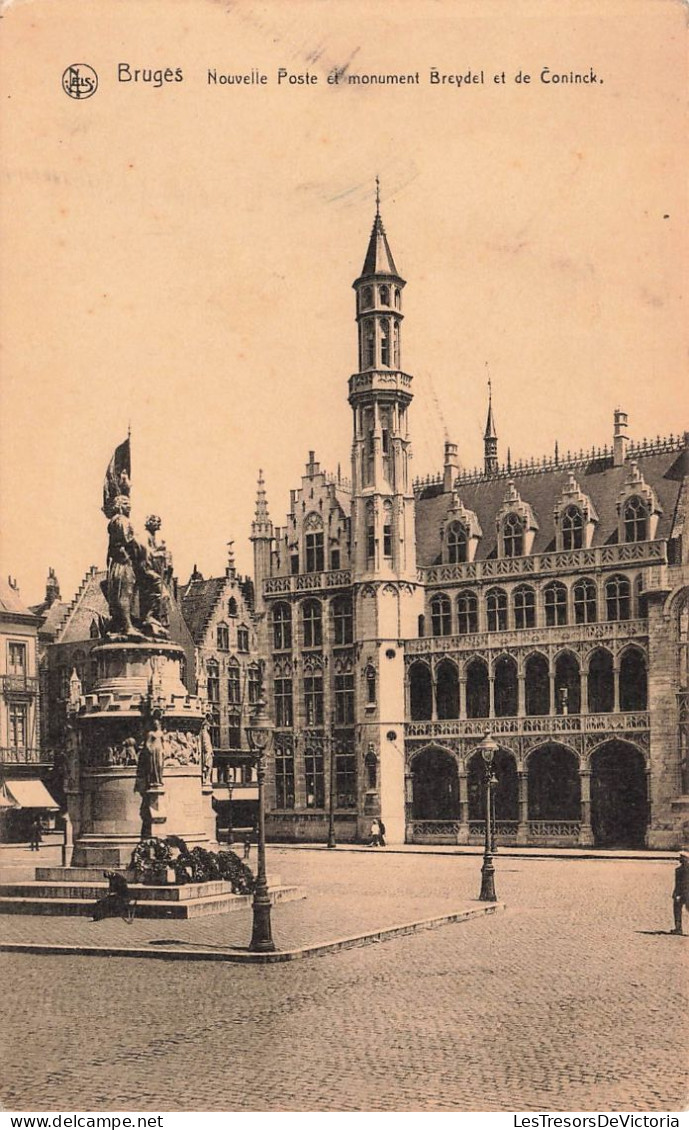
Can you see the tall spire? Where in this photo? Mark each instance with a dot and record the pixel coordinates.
(379, 260)
(490, 436)
(261, 527)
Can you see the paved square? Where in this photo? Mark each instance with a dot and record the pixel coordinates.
(574, 998)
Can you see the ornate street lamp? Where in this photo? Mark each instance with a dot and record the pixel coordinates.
(332, 843)
(488, 749)
(259, 733)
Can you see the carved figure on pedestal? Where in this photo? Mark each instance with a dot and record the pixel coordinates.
(149, 774)
(206, 751)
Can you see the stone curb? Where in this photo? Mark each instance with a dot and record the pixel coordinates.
(612, 856)
(244, 957)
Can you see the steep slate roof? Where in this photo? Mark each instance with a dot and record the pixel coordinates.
(379, 260)
(11, 602)
(602, 482)
(53, 617)
(88, 604)
(198, 600)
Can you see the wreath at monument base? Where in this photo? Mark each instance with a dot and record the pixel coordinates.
(153, 859)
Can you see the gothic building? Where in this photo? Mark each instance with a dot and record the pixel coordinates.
(545, 602)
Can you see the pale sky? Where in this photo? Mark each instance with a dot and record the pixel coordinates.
(181, 258)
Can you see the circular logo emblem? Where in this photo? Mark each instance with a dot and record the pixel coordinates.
(80, 81)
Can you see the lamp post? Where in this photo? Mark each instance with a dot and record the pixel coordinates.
(230, 829)
(259, 733)
(332, 843)
(488, 750)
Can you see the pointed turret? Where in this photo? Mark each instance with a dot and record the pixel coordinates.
(262, 537)
(490, 438)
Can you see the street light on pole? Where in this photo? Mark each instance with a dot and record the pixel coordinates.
(488, 749)
(259, 733)
(332, 843)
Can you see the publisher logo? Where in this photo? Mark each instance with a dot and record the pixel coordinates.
(80, 81)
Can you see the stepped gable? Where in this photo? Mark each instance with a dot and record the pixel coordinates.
(53, 619)
(199, 599)
(664, 471)
(88, 604)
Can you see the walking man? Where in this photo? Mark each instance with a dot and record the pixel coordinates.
(680, 894)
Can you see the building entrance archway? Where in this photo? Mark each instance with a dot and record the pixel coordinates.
(435, 786)
(619, 802)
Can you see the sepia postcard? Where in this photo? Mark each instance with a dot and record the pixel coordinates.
(344, 613)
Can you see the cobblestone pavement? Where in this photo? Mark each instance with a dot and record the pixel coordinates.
(573, 999)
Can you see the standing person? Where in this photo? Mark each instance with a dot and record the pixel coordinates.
(247, 845)
(375, 833)
(680, 894)
(36, 830)
(381, 839)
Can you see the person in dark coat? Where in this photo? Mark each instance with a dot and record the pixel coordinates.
(247, 845)
(117, 903)
(680, 893)
(36, 833)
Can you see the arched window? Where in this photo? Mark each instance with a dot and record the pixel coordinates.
(601, 682)
(618, 598)
(342, 620)
(633, 680)
(387, 528)
(369, 344)
(537, 681)
(555, 597)
(567, 683)
(234, 688)
(467, 613)
(477, 689)
(385, 295)
(420, 692)
(506, 687)
(312, 619)
(232, 607)
(213, 680)
(370, 676)
(513, 536)
(282, 627)
(447, 690)
(366, 298)
(396, 344)
(635, 519)
(572, 528)
(223, 637)
(243, 638)
(640, 603)
(585, 610)
(398, 297)
(524, 607)
(441, 615)
(385, 342)
(496, 609)
(456, 543)
(370, 533)
(254, 683)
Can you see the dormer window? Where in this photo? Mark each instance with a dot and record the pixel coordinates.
(572, 528)
(456, 543)
(635, 519)
(575, 517)
(638, 508)
(513, 536)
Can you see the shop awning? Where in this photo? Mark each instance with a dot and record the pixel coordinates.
(30, 794)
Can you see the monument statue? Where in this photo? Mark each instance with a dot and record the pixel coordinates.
(149, 773)
(137, 569)
(206, 751)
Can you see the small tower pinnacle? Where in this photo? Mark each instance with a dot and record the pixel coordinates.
(261, 526)
(377, 195)
(490, 436)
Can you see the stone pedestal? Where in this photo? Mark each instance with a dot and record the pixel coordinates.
(115, 804)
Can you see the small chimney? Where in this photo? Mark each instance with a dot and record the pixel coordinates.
(451, 467)
(620, 437)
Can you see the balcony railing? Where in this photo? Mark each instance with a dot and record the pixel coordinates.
(19, 684)
(527, 637)
(307, 582)
(23, 755)
(556, 561)
(541, 724)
